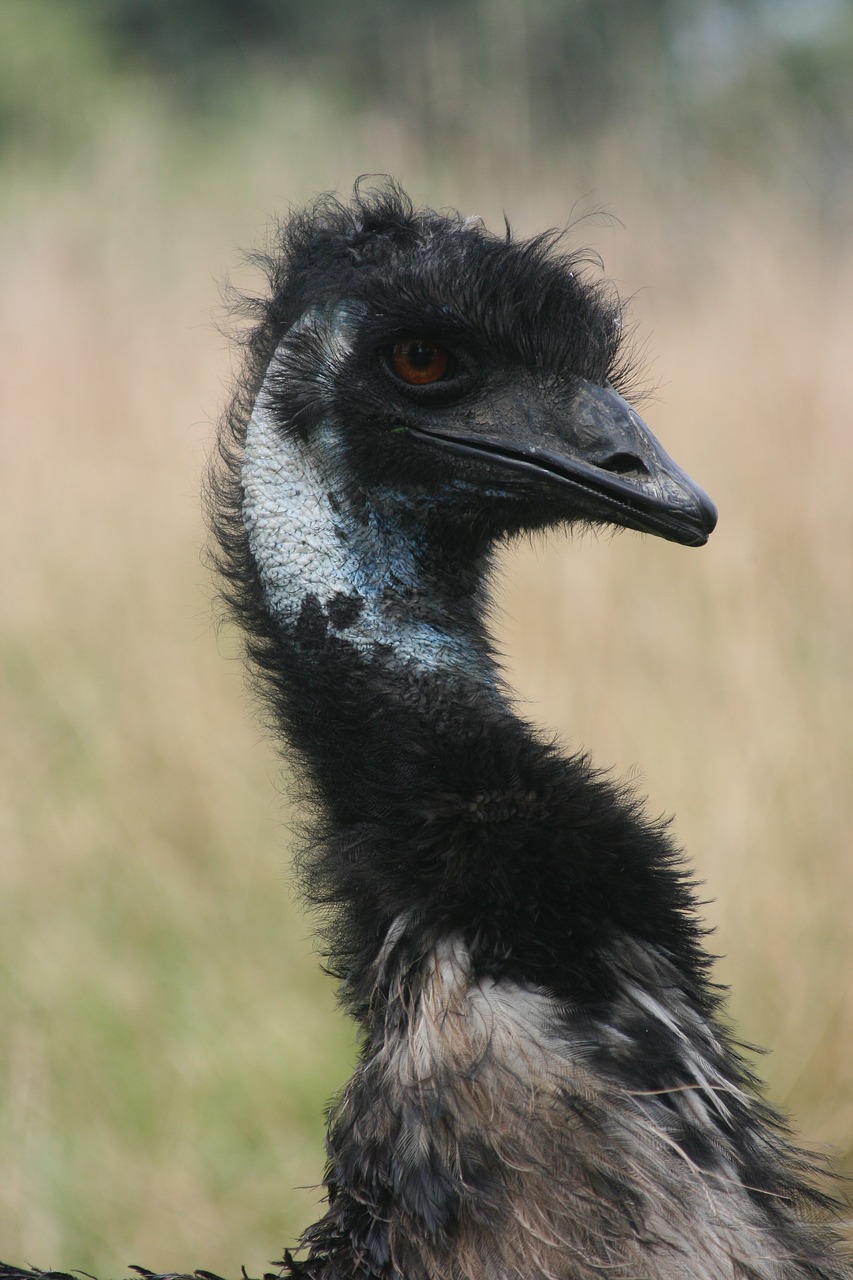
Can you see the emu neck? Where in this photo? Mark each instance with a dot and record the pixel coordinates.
(440, 811)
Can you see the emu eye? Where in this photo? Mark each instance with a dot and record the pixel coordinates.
(418, 361)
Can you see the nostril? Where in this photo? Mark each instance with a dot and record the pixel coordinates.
(624, 464)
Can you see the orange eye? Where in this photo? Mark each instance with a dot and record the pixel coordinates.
(419, 361)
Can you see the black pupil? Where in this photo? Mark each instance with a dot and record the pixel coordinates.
(421, 354)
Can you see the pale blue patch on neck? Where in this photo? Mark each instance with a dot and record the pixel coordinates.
(304, 543)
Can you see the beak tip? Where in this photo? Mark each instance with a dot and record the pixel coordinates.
(707, 517)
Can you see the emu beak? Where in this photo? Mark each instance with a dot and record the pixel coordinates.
(613, 455)
(599, 452)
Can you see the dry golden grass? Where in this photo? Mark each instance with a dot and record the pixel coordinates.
(168, 1042)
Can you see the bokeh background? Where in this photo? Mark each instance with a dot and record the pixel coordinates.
(167, 1041)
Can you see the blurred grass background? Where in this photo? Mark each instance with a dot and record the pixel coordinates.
(168, 1041)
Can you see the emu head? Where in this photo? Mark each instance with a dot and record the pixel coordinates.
(463, 385)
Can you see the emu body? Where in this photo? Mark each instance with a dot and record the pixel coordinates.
(545, 1088)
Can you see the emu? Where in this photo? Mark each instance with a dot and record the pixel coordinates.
(545, 1088)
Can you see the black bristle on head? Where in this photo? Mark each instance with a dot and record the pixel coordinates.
(378, 246)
